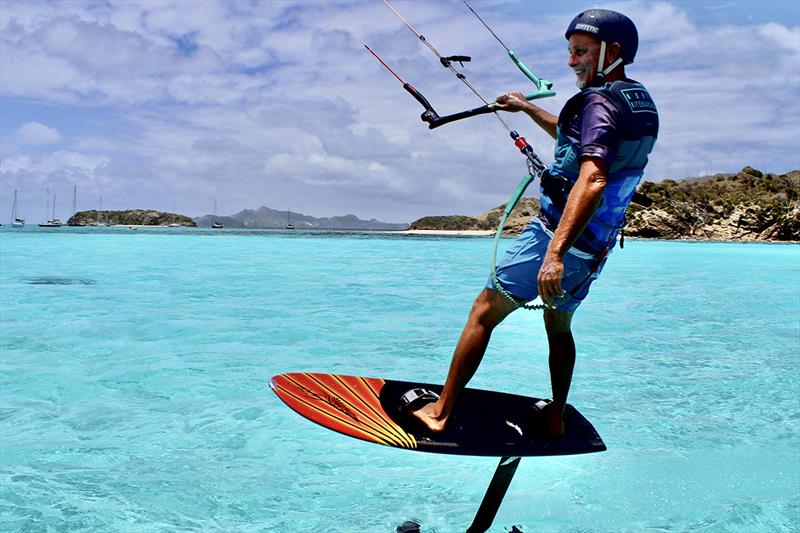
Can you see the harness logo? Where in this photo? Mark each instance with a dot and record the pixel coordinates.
(587, 27)
(639, 100)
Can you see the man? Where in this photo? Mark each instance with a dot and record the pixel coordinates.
(603, 136)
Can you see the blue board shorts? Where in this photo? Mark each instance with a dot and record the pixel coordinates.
(519, 269)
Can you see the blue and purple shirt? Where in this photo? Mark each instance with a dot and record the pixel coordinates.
(618, 123)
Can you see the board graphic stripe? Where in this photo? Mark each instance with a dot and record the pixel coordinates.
(380, 412)
(343, 426)
(350, 383)
(334, 388)
(308, 382)
(355, 431)
(374, 424)
(333, 412)
(368, 392)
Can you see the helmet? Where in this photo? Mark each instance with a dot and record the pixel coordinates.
(608, 26)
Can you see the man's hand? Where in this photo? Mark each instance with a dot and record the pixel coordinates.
(549, 280)
(511, 102)
(586, 195)
(515, 101)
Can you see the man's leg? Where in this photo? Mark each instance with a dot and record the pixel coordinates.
(489, 309)
(562, 363)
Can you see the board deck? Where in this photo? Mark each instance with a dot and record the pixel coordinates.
(484, 423)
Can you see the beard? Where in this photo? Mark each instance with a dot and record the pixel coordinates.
(585, 79)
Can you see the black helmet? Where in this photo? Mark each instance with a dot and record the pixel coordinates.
(608, 26)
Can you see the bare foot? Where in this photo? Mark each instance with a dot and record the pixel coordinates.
(430, 415)
(554, 419)
(550, 417)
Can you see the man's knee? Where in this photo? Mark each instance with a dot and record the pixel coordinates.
(557, 322)
(490, 308)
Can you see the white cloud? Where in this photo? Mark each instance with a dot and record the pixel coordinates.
(60, 161)
(787, 38)
(277, 103)
(34, 133)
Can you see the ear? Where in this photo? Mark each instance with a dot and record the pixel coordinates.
(612, 52)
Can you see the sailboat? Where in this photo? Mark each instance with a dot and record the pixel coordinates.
(100, 214)
(16, 222)
(53, 222)
(215, 224)
(72, 222)
(289, 224)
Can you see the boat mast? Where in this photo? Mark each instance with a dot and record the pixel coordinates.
(46, 202)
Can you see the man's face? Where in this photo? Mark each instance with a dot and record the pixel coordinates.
(583, 53)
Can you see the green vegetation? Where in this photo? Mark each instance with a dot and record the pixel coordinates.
(132, 217)
(448, 223)
(749, 205)
(519, 217)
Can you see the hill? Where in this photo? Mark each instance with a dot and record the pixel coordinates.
(519, 218)
(264, 217)
(131, 217)
(747, 206)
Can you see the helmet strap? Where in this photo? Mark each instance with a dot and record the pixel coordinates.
(602, 57)
(612, 66)
(600, 77)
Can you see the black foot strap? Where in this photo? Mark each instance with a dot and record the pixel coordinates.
(416, 398)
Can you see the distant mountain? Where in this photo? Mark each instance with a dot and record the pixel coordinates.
(747, 206)
(264, 217)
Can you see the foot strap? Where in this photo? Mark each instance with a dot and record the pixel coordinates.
(416, 398)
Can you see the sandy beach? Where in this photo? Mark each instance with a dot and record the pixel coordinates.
(451, 233)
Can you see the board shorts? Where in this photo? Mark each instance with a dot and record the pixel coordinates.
(519, 269)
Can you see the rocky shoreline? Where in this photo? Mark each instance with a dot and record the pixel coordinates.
(749, 206)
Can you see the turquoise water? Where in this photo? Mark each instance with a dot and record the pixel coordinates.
(134, 396)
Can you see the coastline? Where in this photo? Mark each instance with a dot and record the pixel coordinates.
(448, 233)
(400, 233)
(490, 233)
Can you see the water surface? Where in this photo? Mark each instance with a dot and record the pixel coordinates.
(134, 369)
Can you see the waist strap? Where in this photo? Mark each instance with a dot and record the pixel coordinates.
(574, 251)
(558, 188)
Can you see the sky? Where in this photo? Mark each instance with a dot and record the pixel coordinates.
(169, 105)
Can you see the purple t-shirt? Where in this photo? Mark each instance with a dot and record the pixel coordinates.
(619, 124)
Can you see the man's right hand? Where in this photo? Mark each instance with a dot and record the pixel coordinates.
(515, 101)
(549, 279)
(511, 102)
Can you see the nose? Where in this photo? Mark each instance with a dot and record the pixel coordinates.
(572, 61)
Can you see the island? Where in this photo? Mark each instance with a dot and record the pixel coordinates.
(131, 217)
(749, 205)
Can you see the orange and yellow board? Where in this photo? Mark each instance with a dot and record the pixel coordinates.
(348, 404)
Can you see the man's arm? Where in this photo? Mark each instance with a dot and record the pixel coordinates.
(514, 102)
(583, 200)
